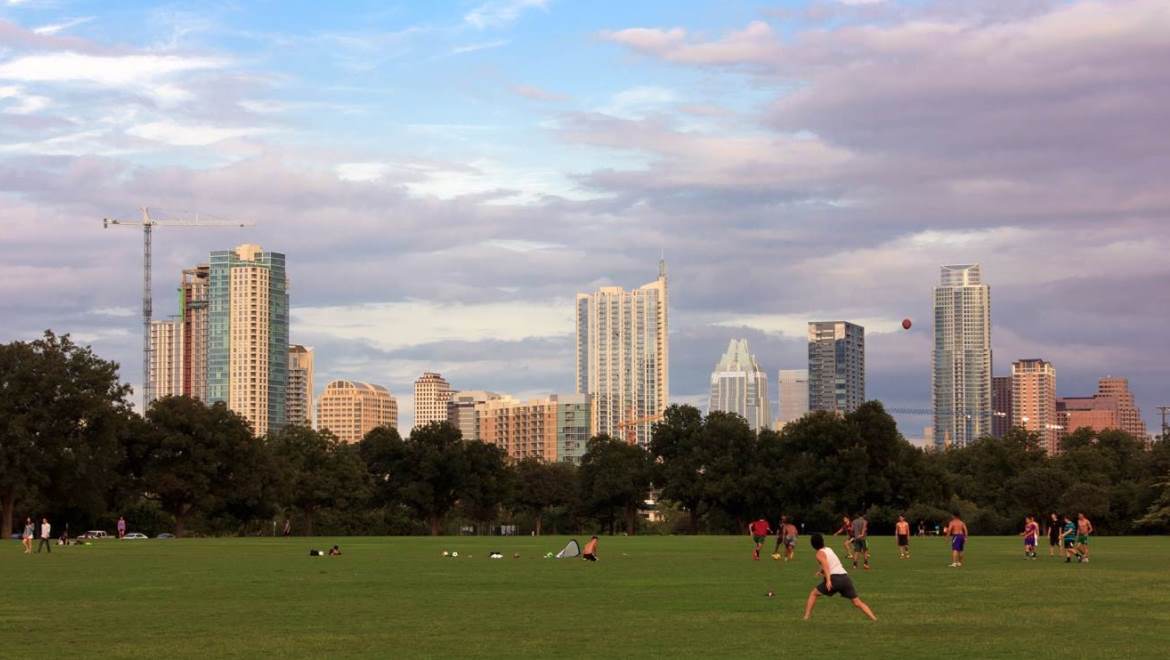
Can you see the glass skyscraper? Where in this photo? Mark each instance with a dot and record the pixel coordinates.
(961, 362)
(836, 366)
(739, 386)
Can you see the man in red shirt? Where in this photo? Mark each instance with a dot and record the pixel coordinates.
(759, 530)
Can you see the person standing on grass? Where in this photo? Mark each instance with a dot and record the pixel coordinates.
(846, 529)
(836, 580)
(287, 527)
(788, 530)
(1053, 534)
(957, 530)
(121, 527)
(1068, 538)
(759, 531)
(46, 532)
(590, 553)
(1084, 529)
(861, 540)
(27, 537)
(902, 534)
(1031, 532)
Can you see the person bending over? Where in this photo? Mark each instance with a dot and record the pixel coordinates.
(835, 580)
(590, 553)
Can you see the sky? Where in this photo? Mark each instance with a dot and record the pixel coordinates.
(446, 176)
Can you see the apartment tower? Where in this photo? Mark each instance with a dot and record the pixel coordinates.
(623, 357)
(193, 316)
(299, 394)
(1001, 405)
(461, 411)
(555, 428)
(1034, 401)
(166, 358)
(836, 366)
(961, 360)
(350, 409)
(793, 395)
(431, 394)
(739, 386)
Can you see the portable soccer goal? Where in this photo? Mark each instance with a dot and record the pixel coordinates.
(571, 549)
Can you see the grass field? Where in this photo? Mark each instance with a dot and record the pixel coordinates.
(647, 597)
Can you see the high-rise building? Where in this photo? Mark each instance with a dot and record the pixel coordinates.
(961, 360)
(1112, 407)
(1034, 401)
(193, 316)
(1129, 416)
(166, 358)
(431, 394)
(555, 428)
(247, 335)
(350, 409)
(461, 411)
(623, 357)
(299, 395)
(793, 395)
(739, 386)
(836, 366)
(1001, 405)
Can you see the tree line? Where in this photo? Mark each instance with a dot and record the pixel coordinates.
(72, 448)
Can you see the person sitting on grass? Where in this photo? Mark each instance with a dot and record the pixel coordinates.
(836, 580)
(335, 551)
(590, 553)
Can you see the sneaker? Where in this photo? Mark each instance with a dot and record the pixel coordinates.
(954, 565)
(1086, 560)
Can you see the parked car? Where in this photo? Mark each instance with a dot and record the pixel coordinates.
(135, 536)
(165, 535)
(94, 534)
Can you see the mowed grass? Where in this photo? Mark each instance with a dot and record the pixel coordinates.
(647, 597)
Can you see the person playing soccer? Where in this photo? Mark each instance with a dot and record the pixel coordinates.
(835, 580)
(902, 534)
(1031, 532)
(759, 531)
(846, 529)
(1084, 529)
(788, 530)
(1068, 538)
(957, 530)
(779, 536)
(861, 540)
(1053, 534)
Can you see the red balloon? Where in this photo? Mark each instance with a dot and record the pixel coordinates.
(906, 324)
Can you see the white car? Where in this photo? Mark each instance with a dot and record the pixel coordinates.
(134, 536)
(96, 534)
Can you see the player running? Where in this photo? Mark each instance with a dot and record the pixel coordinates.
(846, 529)
(836, 580)
(1053, 535)
(1068, 538)
(759, 531)
(1030, 534)
(861, 540)
(788, 531)
(957, 530)
(1084, 529)
(902, 534)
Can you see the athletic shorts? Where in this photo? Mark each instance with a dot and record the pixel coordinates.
(1083, 539)
(1030, 541)
(903, 539)
(842, 586)
(860, 545)
(759, 539)
(789, 541)
(1069, 541)
(958, 542)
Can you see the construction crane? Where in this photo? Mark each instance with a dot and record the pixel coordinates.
(630, 426)
(1165, 429)
(148, 224)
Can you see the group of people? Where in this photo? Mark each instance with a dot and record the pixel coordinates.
(26, 538)
(786, 534)
(1065, 537)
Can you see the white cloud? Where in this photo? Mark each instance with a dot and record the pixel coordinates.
(363, 172)
(17, 102)
(149, 74)
(521, 245)
(796, 325)
(499, 13)
(487, 45)
(54, 28)
(189, 135)
(637, 102)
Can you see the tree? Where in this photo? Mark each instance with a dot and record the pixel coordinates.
(677, 451)
(729, 479)
(541, 486)
(1157, 518)
(383, 452)
(62, 410)
(193, 458)
(433, 471)
(614, 478)
(319, 471)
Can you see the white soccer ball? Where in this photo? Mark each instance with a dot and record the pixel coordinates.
(454, 554)
(446, 554)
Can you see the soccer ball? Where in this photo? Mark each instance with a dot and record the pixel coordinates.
(446, 554)
(776, 556)
(770, 594)
(454, 554)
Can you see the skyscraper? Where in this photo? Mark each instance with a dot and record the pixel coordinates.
(1034, 401)
(793, 395)
(1001, 405)
(247, 335)
(461, 411)
(961, 361)
(836, 366)
(300, 385)
(554, 428)
(1129, 416)
(739, 386)
(431, 394)
(623, 357)
(166, 358)
(193, 315)
(350, 409)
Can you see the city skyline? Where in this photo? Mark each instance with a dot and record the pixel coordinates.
(453, 239)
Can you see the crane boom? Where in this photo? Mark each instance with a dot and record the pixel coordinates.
(148, 224)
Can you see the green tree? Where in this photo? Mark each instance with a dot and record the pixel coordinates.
(614, 479)
(432, 471)
(383, 451)
(678, 457)
(62, 410)
(486, 482)
(541, 486)
(320, 472)
(728, 461)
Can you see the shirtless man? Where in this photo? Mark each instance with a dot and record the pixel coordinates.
(1031, 532)
(957, 530)
(1084, 529)
(788, 531)
(846, 529)
(835, 580)
(902, 534)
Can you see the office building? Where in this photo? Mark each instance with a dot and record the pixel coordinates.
(350, 409)
(193, 317)
(166, 358)
(1001, 405)
(1112, 407)
(836, 366)
(247, 335)
(961, 359)
(1034, 401)
(793, 386)
(555, 428)
(739, 386)
(431, 394)
(461, 411)
(1129, 416)
(623, 357)
(299, 394)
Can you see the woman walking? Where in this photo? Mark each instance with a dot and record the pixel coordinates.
(27, 537)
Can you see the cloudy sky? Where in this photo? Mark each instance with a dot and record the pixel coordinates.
(445, 176)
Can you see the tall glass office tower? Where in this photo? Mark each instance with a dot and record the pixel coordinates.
(738, 385)
(961, 362)
(836, 366)
(247, 335)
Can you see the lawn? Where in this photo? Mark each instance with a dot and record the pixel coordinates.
(647, 597)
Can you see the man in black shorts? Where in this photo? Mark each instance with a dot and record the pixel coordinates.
(1053, 535)
(836, 580)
